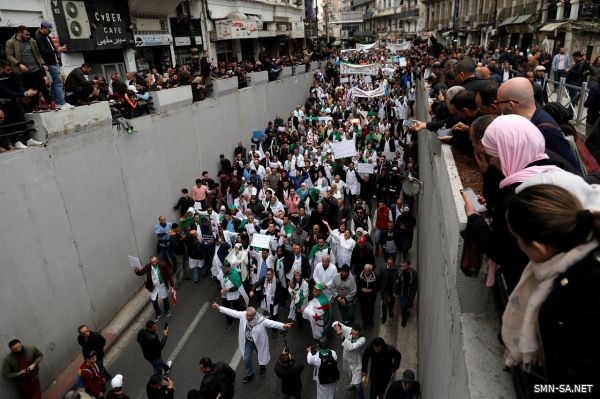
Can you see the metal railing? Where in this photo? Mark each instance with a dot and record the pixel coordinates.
(564, 92)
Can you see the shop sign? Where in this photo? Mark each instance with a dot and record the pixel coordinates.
(153, 39)
(92, 25)
(236, 29)
(182, 41)
(197, 40)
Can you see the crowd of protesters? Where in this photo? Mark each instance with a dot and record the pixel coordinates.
(288, 230)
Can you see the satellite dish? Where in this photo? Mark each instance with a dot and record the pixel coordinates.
(411, 186)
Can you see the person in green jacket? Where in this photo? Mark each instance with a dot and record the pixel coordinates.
(21, 366)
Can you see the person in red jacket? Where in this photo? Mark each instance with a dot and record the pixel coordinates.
(383, 215)
(159, 282)
(93, 381)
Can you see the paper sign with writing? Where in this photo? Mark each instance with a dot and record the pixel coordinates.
(344, 149)
(261, 241)
(134, 262)
(363, 168)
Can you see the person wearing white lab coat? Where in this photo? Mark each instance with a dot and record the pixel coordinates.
(324, 391)
(252, 336)
(324, 273)
(354, 345)
(352, 180)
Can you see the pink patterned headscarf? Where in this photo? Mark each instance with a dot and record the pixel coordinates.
(516, 142)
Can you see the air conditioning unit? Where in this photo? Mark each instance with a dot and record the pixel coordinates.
(78, 23)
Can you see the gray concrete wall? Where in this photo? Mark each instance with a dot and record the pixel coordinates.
(74, 210)
(458, 353)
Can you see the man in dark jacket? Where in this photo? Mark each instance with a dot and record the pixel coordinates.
(289, 371)
(385, 360)
(406, 288)
(205, 67)
(78, 89)
(388, 278)
(218, 381)
(367, 287)
(22, 366)
(160, 387)
(159, 282)
(51, 56)
(362, 254)
(406, 388)
(152, 346)
(93, 341)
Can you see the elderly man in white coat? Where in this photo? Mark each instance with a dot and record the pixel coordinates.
(324, 273)
(252, 336)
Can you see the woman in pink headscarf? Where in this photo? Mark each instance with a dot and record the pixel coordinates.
(517, 148)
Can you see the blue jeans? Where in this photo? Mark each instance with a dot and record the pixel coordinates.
(57, 86)
(249, 348)
(158, 366)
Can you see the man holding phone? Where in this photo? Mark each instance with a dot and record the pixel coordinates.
(152, 346)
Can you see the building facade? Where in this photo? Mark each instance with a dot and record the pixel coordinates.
(573, 24)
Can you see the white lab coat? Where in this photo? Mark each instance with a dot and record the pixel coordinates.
(353, 352)
(259, 333)
(325, 277)
(326, 391)
(352, 181)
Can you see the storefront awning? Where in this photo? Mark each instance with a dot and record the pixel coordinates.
(520, 19)
(507, 21)
(552, 26)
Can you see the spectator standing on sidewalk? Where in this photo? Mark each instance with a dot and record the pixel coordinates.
(21, 366)
(159, 282)
(160, 387)
(116, 391)
(93, 381)
(385, 360)
(218, 380)
(162, 230)
(152, 347)
(51, 56)
(93, 341)
(27, 60)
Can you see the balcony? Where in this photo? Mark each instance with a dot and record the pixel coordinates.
(349, 17)
(356, 3)
(412, 12)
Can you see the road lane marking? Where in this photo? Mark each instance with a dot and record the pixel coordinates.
(188, 332)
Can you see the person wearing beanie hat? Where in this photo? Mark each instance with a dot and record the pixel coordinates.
(93, 381)
(117, 388)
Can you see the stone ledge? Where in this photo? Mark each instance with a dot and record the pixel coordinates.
(258, 78)
(172, 98)
(222, 87)
(55, 123)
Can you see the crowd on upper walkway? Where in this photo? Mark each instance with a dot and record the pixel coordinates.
(295, 224)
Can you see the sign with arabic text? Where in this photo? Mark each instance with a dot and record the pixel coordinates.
(352, 69)
(92, 24)
(236, 29)
(153, 39)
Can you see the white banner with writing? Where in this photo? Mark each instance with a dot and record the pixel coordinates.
(364, 167)
(344, 149)
(366, 47)
(378, 92)
(354, 69)
(399, 47)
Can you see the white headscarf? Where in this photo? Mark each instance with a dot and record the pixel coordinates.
(519, 322)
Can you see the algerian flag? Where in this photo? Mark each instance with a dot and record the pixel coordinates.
(242, 188)
(236, 280)
(315, 248)
(289, 228)
(314, 194)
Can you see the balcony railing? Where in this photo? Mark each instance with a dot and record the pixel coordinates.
(410, 13)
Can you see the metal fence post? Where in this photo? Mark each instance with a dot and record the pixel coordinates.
(582, 96)
(561, 90)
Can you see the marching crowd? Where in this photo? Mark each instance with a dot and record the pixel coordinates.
(291, 229)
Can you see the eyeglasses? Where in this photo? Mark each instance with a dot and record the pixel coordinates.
(505, 101)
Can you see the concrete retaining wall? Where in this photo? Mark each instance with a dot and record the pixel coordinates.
(74, 210)
(458, 353)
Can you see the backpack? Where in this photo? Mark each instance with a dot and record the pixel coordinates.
(328, 370)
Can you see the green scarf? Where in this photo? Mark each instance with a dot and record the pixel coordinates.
(289, 228)
(186, 221)
(315, 249)
(234, 276)
(160, 277)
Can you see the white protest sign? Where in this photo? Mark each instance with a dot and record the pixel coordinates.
(134, 262)
(389, 156)
(363, 168)
(261, 241)
(344, 149)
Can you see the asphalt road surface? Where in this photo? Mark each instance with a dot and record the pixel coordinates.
(196, 330)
